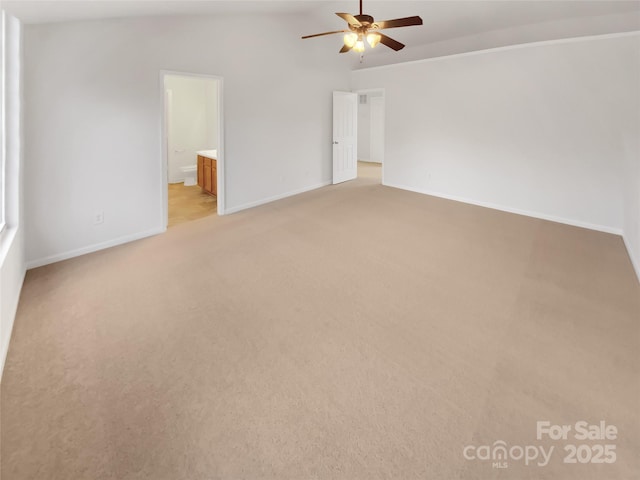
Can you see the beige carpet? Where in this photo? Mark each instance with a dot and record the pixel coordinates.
(352, 332)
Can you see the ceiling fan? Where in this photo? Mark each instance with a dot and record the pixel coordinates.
(364, 26)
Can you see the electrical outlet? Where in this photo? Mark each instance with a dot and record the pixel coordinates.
(98, 218)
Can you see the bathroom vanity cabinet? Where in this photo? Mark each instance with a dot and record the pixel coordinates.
(208, 174)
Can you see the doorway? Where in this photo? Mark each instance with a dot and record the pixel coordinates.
(371, 129)
(192, 147)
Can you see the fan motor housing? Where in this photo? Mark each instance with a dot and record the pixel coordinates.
(364, 19)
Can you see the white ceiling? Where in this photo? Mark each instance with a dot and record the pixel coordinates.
(444, 20)
(457, 17)
(45, 11)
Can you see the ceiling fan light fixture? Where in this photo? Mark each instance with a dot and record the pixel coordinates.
(361, 26)
(350, 39)
(373, 39)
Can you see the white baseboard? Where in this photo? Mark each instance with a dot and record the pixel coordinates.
(635, 261)
(276, 197)
(92, 248)
(527, 213)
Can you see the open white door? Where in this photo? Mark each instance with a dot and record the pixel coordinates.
(345, 136)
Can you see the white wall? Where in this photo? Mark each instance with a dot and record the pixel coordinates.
(631, 176)
(364, 129)
(211, 112)
(537, 129)
(93, 119)
(192, 121)
(376, 110)
(12, 261)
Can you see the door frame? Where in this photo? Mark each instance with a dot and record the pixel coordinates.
(384, 113)
(164, 158)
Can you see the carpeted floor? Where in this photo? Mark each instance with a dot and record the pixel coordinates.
(352, 332)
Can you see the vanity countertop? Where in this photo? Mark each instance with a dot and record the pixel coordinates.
(213, 154)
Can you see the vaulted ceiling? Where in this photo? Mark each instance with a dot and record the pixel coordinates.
(449, 26)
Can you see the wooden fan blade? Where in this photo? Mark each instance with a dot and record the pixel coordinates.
(390, 42)
(398, 22)
(345, 49)
(351, 20)
(325, 33)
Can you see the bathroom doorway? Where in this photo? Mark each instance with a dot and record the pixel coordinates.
(192, 166)
(371, 128)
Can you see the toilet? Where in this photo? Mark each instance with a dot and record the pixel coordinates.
(190, 173)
